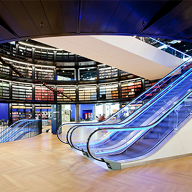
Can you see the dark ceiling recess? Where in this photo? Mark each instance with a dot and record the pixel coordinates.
(167, 7)
(21, 19)
(8, 29)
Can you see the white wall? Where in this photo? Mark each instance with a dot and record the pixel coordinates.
(123, 52)
(179, 144)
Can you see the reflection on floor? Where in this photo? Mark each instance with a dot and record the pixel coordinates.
(44, 164)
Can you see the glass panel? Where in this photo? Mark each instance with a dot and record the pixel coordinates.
(88, 74)
(64, 74)
(161, 102)
(20, 130)
(158, 44)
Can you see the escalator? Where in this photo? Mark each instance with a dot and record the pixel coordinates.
(125, 114)
(175, 85)
(151, 137)
(144, 130)
(21, 129)
(151, 128)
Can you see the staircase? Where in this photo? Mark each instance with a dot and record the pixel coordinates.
(13, 68)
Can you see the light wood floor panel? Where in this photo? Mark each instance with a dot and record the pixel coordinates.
(44, 164)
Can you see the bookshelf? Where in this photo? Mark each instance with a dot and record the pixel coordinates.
(21, 91)
(25, 51)
(21, 111)
(43, 94)
(44, 54)
(4, 90)
(107, 72)
(124, 73)
(109, 91)
(45, 110)
(25, 69)
(4, 69)
(46, 73)
(87, 92)
(131, 88)
(68, 90)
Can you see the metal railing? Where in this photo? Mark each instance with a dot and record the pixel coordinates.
(20, 130)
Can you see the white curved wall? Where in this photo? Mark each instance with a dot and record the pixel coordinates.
(123, 52)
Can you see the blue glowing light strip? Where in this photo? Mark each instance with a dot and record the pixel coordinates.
(12, 134)
(84, 144)
(123, 124)
(128, 144)
(147, 127)
(11, 127)
(98, 123)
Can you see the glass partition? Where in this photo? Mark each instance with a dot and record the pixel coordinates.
(178, 87)
(88, 74)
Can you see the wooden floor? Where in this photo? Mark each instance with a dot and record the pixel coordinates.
(44, 164)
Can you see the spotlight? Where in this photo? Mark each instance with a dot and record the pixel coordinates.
(41, 25)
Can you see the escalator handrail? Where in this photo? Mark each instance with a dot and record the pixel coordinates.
(18, 123)
(26, 122)
(169, 47)
(98, 123)
(143, 108)
(137, 128)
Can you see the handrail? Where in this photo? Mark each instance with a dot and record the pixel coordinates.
(10, 130)
(105, 121)
(11, 133)
(19, 122)
(136, 128)
(26, 124)
(170, 47)
(143, 108)
(165, 46)
(150, 90)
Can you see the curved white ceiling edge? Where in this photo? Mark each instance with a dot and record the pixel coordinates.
(123, 52)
